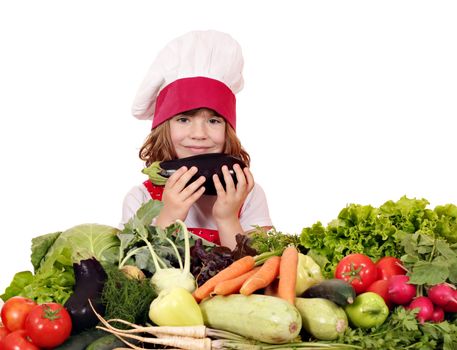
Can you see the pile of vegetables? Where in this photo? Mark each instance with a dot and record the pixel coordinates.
(402, 252)
(31, 326)
(373, 278)
(52, 257)
(379, 232)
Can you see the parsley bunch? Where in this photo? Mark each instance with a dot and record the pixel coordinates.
(402, 331)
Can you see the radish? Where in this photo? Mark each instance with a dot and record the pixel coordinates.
(425, 306)
(399, 290)
(437, 315)
(451, 306)
(440, 294)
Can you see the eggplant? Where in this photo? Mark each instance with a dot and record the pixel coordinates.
(90, 279)
(208, 164)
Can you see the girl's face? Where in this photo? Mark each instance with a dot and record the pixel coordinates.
(202, 132)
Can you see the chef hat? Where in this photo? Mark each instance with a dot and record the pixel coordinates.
(199, 69)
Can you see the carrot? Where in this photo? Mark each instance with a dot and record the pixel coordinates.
(233, 285)
(235, 269)
(263, 277)
(288, 274)
(272, 288)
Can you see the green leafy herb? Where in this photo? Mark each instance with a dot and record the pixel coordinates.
(402, 331)
(272, 240)
(126, 298)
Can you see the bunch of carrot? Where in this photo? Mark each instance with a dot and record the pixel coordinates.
(245, 277)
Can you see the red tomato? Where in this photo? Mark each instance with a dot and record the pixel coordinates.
(389, 266)
(14, 312)
(3, 333)
(381, 288)
(48, 325)
(17, 340)
(358, 270)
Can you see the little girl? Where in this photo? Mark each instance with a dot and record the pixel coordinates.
(189, 93)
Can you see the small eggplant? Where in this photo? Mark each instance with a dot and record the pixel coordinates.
(208, 164)
(90, 279)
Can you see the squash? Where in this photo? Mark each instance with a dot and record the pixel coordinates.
(260, 317)
(322, 318)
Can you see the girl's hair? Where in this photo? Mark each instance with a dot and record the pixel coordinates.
(158, 146)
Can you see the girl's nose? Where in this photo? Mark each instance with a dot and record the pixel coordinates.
(198, 130)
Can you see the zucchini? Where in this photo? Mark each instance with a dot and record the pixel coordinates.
(322, 318)
(260, 317)
(336, 290)
(82, 340)
(107, 342)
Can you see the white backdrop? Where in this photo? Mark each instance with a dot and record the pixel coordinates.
(344, 102)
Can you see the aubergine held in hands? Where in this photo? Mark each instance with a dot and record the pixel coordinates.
(90, 279)
(207, 164)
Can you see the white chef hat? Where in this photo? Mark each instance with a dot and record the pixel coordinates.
(199, 69)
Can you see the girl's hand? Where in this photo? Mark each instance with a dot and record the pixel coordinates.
(177, 198)
(230, 200)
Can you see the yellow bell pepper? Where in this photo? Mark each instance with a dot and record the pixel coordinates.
(308, 274)
(175, 307)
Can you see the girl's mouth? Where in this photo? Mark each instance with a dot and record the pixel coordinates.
(198, 150)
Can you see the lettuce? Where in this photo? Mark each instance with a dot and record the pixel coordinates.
(377, 232)
(447, 222)
(86, 241)
(40, 247)
(53, 256)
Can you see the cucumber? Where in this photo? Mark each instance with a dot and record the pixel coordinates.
(259, 317)
(336, 290)
(322, 318)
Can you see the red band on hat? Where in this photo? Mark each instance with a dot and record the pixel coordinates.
(197, 92)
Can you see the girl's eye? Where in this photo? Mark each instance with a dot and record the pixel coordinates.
(182, 119)
(215, 120)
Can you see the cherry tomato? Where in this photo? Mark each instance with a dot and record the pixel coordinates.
(389, 266)
(48, 325)
(17, 340)
(358, 270)
(14, 312)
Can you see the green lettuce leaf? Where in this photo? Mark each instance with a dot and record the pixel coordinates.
(153, 171)
(20, 280)
(447, 222)
(86, 241)
(52, 285)
(40, 247)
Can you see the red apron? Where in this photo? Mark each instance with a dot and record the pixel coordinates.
(210, 235)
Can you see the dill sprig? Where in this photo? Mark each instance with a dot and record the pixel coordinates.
(126, 298)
